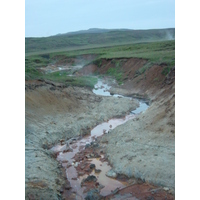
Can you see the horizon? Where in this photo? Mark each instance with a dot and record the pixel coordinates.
(126, 29)
(48, 18)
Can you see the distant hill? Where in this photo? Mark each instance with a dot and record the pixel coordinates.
(96, 38)
(91, 30)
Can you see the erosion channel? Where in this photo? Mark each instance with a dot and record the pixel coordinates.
(92, 168)
(101, 143)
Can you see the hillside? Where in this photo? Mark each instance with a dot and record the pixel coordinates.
(93, 38)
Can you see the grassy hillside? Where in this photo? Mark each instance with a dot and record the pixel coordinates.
(94, 38)
(161, 53)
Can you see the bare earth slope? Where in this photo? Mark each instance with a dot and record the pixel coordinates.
(143, 147)
(54, 113)
(148, 142)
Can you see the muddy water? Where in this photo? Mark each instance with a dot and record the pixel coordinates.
(67, 151)
(102, 89)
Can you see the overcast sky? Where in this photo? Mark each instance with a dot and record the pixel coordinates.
(50, 17)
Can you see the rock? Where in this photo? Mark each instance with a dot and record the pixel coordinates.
(76, 164)
(87, 146)
(94, 144)
(68, 165)
(67, 150)
(92, 166)
(97, 171)
(81, 173)
(82, 167)
(111, 174)
(67, 187)
(90, 178)
(62, 142)
(93, 194)
(166, 188)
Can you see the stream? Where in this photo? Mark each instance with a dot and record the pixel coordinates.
(66, 151)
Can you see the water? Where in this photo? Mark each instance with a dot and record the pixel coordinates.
(142, 107)
(101, 89)
(67, 158)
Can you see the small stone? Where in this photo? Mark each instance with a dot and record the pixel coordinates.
(76, 164)
(111, 174)
(67, 150)
(92, 166)
(166, 188)
(67, 187)
(68, 165)
(87, 156)
(90, 178)
(93, 194)
(87, 146)
(91, 155)
(82, 167)
(81, 173)
(62, 141)
(97, 171)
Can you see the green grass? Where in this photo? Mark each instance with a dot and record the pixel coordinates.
(32, 73)
(61, 77)
(116, 71)
(160, 52)
(143, 69)
(77, 41)
(166, 70)
(155, 52)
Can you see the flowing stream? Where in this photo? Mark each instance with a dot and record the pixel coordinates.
(67, 157)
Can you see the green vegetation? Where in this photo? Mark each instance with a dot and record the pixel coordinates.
(32, 73)
(88, 40)
(159, 52)
(155, 52)
(143, 69)
(97, 62)
(62, 77)
(166, 70)
(116, 71)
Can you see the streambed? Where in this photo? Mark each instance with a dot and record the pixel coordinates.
(76, 171)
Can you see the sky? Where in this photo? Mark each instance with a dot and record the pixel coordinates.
(50, 17)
